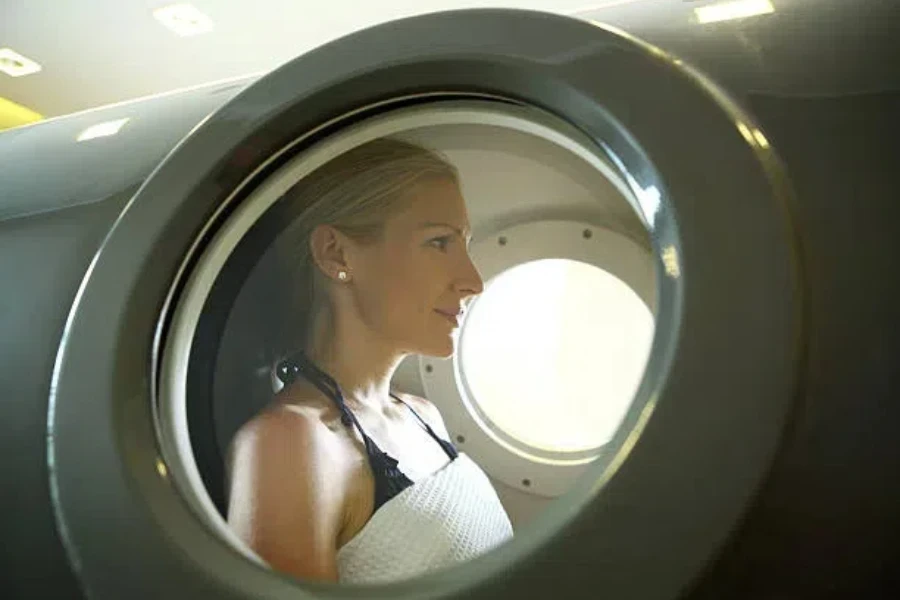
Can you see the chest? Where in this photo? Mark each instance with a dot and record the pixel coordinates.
(404, 438)
(397, 430)
(453, 516)
(419, 456)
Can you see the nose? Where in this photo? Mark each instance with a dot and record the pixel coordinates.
(470, 283)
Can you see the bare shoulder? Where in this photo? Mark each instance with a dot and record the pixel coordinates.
(279, 502)
(280, 420)
(277, 431)
(291, 426)
(428, 411)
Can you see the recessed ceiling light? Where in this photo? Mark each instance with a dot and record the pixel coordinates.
(102, 129)
(737, 9)
(183, 19)
(15, 65)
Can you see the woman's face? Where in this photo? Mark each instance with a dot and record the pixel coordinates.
(414, 282)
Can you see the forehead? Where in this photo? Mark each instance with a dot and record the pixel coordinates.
(435, 200)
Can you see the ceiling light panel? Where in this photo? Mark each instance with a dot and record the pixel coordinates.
(736, 9)
(15, 65)
(183, 19)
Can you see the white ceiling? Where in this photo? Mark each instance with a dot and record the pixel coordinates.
(96, 52)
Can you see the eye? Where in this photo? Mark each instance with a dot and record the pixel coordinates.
(440, 242)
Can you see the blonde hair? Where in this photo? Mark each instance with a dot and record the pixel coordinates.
(356, 193)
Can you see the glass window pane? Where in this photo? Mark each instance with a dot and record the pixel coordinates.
(553, 352)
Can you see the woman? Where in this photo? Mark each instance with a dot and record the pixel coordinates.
(340, 479)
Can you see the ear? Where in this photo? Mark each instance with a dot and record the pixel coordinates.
(328, 247)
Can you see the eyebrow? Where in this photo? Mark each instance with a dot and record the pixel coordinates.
(430, 224)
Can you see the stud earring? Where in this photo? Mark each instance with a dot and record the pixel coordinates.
(342, 275)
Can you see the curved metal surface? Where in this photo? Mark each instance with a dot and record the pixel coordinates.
(804, 48)
(833, 123)
(102, 377)
(58, 200)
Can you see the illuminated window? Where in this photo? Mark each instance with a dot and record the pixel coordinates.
(553, 352)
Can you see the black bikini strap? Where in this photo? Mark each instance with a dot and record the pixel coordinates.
(389, 479)
(287, 372)
(448, 447)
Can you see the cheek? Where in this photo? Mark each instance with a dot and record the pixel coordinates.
(413, 288)
(396, 289)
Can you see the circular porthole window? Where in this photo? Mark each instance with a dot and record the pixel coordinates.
(553, 352)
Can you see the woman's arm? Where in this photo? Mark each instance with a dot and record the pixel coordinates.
(285, 502)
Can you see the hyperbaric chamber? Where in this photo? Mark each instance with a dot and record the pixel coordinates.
(575, 142)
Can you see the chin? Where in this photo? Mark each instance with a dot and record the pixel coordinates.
(447, 353)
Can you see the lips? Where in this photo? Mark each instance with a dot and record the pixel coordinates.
(452, 316)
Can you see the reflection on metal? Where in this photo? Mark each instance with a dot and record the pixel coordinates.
(654, 50)
(161, 468)
(102, 130)
(745, 131)
(670, 261)
(753, 135)
(649, 199)
(627, 445)
(760, 139)
(737, 9)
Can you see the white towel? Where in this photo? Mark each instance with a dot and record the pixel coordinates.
(451, 516)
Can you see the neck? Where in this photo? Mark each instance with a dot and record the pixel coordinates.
(361, 363)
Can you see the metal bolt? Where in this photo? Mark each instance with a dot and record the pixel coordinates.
(461, 439)
(587, 233)
(526, 482)
(429, 368)
(502, 240)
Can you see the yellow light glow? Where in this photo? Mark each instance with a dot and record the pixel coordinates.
(745, 131)
(161, 468)
(736, 9)
(670, 261)
(760, 138)
(627, 445)
(13, 115)
(15, 65)
(183, 19)
(102, 129)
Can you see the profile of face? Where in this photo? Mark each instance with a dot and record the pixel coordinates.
(410, 286)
